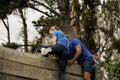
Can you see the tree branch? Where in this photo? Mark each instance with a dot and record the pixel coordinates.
(32, 7)
(42, 4)
(4, 24)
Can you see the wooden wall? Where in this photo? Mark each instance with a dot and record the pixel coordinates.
(15, 65)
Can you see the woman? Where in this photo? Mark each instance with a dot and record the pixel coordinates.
(60, 48)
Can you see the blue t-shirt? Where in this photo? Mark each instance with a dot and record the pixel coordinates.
(61, 38)
(85, 53)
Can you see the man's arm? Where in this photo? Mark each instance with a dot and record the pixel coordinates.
(78, 52)
(76, 56)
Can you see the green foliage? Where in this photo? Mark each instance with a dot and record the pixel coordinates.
(114, 69)
(11, 45)
(52, 3)
(76, 5)
(8, 6)
(33, 48)
(109, 25)
(44, 23)
(4, 10)
(19, 3)
(42, 26)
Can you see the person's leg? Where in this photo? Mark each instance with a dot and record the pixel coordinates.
(62, 54)
(93, 74)
(62, 62)
(54, 49)
(87, 75)
(87, 67)
(62, 67)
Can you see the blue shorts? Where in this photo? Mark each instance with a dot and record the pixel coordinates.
(88, 65)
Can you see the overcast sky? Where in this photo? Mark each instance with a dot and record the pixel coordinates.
(15, 27)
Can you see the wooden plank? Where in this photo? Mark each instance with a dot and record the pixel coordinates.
(4, 76)
(35, 60)
(72, 77)
(33, 72)
(23, 70)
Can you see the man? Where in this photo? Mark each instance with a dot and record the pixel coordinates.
(79, 53)
(60, 48)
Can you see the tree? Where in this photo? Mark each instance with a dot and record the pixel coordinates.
(75, 22)
(108, 21)
(4, 11)
(7, 28)
(89, 24)
(7, 7)
(20, 5)
(24, 29)
(109, 26)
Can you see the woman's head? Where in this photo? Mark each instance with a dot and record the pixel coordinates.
(52, 29)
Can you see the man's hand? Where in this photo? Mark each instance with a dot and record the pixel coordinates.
(70, 62)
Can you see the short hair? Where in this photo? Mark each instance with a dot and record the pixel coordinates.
(53, 28)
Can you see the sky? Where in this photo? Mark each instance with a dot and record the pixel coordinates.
(15, 23)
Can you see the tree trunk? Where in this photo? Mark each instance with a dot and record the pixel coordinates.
(69, 18)
(8, 30)
(63, 6)
(25, 30)
(75, 27)
(89, 22)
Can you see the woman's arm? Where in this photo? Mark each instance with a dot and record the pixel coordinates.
(54, 40)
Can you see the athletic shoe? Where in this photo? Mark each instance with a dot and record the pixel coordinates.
(45, 51)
